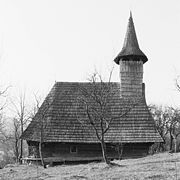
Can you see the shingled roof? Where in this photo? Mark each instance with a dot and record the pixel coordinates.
(61, 124)
(131, 46)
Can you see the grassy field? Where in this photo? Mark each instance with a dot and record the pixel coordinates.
(156, 167)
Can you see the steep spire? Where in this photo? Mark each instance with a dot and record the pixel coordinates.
(131, 46)
(130, 14)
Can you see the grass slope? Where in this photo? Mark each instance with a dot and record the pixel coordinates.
(156, 167)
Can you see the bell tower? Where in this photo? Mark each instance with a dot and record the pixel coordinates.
(131, 60)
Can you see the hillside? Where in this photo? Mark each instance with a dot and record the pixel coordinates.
(156, 167)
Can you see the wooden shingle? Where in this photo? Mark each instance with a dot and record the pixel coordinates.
(59, 116)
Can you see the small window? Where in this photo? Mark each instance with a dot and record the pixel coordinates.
(73, 149)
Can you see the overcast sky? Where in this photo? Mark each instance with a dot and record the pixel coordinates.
(43, 41)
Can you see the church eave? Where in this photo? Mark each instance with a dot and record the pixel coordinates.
(131, 56)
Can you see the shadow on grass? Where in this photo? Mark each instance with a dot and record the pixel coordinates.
(76, 177)
(112, 165)
(155, 177)
(75, 162)
(116, 165)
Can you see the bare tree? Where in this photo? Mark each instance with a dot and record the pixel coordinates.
(176, 130)
(94, 101)
(3, 102)
(20, 120)
(35, 107)
(16, 137)
(167, 120)
(174, 126)
(3, 134)
(22, 116)
(41, 115)
(119, 147)
(161, 117)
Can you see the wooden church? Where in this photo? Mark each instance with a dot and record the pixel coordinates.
(65, 139)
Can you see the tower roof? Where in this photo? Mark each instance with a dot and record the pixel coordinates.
(131, 46)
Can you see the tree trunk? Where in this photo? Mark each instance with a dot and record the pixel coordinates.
(104, 152)
(21, 151)
(175, 144)
(171, 142)
(40, 154)
(16, 150)
(120, 150)
(21, 144)
(161, 147)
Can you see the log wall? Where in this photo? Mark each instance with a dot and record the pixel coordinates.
(87, 151)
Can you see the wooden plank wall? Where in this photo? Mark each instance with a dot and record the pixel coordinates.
(62, 150)
(131, 78)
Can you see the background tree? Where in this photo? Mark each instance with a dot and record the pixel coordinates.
(161, 118)
(173, 126)
(20, 120)
(167, 120)
(22, 115)
(35, 107)
(5, 138)
(41, 115)
(15, 138)
(3, 103)
(3, 135)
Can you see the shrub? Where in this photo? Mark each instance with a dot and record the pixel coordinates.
(7, 159)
